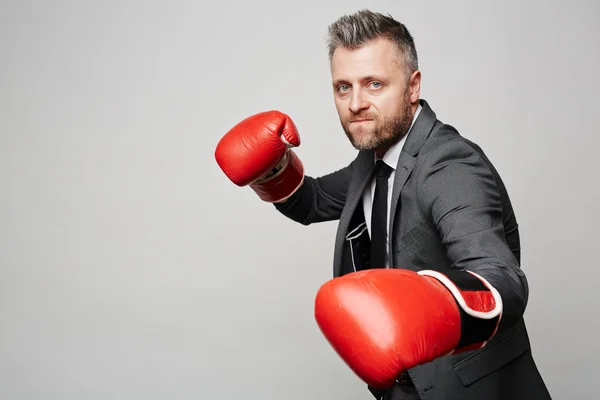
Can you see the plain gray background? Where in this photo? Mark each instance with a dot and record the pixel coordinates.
(132, 268)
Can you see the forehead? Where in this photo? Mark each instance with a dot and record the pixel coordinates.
(377, 57)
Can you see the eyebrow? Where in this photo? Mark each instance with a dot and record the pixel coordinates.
(367, 78)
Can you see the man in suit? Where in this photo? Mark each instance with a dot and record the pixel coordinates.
(428, 297)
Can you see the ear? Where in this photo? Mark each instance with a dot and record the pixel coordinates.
(414, 86)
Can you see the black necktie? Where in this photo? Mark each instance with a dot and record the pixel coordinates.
(379, 215)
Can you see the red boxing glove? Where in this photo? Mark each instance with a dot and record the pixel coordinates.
(382, 322)
(257, 152)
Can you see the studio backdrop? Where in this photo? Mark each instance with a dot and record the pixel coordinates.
(132, 268)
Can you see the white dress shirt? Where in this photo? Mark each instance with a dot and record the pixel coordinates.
(391, 159)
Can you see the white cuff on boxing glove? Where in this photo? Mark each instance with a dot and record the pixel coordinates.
(285, 179)
(479, 303)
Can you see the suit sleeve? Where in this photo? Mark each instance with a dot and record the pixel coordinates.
(459, 192)
(318, 199)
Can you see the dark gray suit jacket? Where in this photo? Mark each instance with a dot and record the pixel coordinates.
(449, 210)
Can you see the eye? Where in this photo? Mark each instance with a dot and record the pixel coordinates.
(343, 88)
(376, 85)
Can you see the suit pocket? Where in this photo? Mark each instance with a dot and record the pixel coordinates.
(495, 354)
(410, 237)
(359, 246)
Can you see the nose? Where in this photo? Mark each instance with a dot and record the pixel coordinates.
(357, 102)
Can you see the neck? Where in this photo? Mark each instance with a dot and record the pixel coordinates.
(381, 152)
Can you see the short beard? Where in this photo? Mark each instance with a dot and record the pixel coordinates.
(389, 130)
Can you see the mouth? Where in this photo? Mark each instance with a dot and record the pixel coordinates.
(360, 120)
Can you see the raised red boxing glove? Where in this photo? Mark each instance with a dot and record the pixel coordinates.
(257, 152)
(382, 322)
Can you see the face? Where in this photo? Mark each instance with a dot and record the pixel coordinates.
(374, 99)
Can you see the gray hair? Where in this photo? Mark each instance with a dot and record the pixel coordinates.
(353, 31)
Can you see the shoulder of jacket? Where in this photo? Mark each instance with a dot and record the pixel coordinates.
(442, 135)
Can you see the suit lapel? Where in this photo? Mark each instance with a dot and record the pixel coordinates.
(406, 162)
